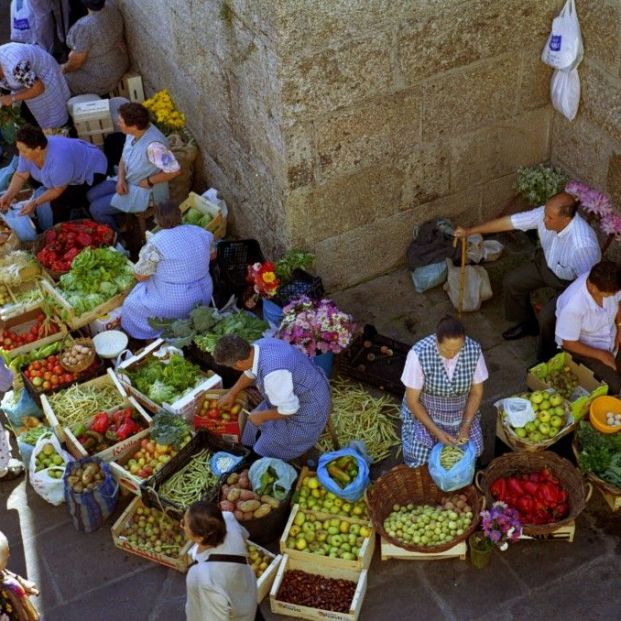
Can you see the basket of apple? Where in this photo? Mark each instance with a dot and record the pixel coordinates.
(552, 421)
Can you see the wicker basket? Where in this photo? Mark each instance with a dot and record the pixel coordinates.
(523, 463)
(403, 485)
(599, 483)
(86, 362)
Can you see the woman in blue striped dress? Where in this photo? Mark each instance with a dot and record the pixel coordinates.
(443, 378)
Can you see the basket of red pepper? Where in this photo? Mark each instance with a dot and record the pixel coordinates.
(58, 246)
(546, 490)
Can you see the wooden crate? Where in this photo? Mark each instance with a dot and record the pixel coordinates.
(231, 430)
(305, 612)
(390, 551)
(187, 405)
(264, 583)
(564, 533)
(96, 138)
(181, 563)
(366, 550)
(130, 87)
(120, 448)
(23, 323)
(614, 501)
(58, 428)
(15, 308)
(92, 117)
(68, 314)
(217, 224)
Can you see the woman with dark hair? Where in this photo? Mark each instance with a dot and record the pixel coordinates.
(173, 274)
(443, 378)
(98, 57)
(66, 168)
(221, 586)
(146, 167)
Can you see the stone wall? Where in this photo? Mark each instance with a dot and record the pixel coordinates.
(338, 125)
(589, 148)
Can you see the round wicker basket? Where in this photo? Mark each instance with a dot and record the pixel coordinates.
(86, 361)
(599, 483)
(403, 485)
(522, 463)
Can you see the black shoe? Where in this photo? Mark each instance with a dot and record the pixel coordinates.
(520, 330)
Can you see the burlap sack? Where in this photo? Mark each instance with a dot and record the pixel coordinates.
(185, 153)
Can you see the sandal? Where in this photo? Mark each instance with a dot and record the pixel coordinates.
(14, 470)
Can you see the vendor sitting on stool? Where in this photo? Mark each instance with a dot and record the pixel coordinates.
(569, 248)
(443, 378)
(588, 322)
(297, 395)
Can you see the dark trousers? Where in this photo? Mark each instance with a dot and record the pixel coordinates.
(517, 287)
(74, 198)
(603, 372)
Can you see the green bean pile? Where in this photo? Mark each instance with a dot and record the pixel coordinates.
(190, 483)
(79, 402)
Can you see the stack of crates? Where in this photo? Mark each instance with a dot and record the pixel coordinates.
(93, 120)
(130, 87)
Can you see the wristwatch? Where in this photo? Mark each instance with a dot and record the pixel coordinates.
(149, 182)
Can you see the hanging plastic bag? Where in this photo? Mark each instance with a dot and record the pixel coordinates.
(21, 21)
(565, 92)
(563, 49)
(518, 411)
(457, 476)
(474, 248)
(272, 476)
(477, 287)
(90, 508)
(429, 276)
(18, 404)
(46, 469)
(22, 225)
(345, 473)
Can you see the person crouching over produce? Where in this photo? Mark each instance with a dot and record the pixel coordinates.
(221, 586)
(443, 378)
(296, 395)
(14, 590)
(173, 270)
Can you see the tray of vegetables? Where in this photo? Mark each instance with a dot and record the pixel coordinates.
(98, 281)
(18, 299)
(157, 377)
(225, 421)
(18, 267)
(109, 433)
(188, 476)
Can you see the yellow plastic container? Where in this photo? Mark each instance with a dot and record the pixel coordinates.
(598, 411)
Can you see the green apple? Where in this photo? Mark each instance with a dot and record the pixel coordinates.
(520, 432)
(556, 422)
(559, 411)
(545, 405)
(536, 397)
(530, 427)
(543, 417)
(556, 400)
(535, 437)
(544, 429)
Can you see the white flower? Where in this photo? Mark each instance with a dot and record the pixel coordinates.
(504, 546)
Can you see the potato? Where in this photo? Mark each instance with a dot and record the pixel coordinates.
(234, 494)
(225, 490)
(248, 506)
(243, 482)
(262, 511)
(239, 515)
(226, 505)
(78, 488)
(233, 478)
(271, 501)
(249, 515)
(246, 494)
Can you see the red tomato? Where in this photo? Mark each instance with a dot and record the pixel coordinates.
(67, 377)
(46, 385)
(36, 365)
(58, 370)
(47, 375)
(54, 380)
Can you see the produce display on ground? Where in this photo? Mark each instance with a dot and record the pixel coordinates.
(49, 459)
(225, 413)
(564, 380)
(17, 267)
(599, 453)
(42, 327)
(95, 277)
(259, 560)
(5, 296)
(149, 458)
(359, 416)
(312, 495)
(86, 478)
(343, 470)
(429, 525)
(63, 243)
(450, 456)
(32, 435)
(237, 496)
(41, 353)
(48, 374)
(196, 217)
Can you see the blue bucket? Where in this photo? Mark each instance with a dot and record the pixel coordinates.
(325, 362)
(272, 313)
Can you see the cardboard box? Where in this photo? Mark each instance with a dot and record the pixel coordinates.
(228, 430)
(590, 386)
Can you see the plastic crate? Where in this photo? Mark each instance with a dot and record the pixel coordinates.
(384, 371)
(233, 259)
(203, 439)
(302, 283)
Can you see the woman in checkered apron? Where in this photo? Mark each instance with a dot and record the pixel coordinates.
(443, 376)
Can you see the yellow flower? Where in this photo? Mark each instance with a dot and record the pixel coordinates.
(269, 277)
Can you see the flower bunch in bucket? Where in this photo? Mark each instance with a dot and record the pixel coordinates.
(316, 326)
(262, 277)
(500, 526)
(598, 205)
(164, 112)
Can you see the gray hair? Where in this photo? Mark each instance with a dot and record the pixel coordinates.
(231, 349)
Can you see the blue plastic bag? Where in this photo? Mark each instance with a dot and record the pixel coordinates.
(222, 462)
(460, 475)
(352, 491)
(429, 276)
(286, 476)
(22, 225)
(25, 406)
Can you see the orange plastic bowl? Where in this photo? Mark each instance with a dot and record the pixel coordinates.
(598, 410)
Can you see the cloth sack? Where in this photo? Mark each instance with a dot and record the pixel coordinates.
(432, 243)
(429, 276)
(563, 49)
(565, 92)
(185, 153)
(48, 487)
(285, 475)
(460, 475)
(477, 287)
(352, 491)
(21, 21)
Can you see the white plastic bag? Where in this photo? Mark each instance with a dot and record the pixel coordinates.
(565, 92)
(477, 287)
(519, 411)
(492, 250)
(212, 196)
(49, 488)
(563, 49)
(21, 21)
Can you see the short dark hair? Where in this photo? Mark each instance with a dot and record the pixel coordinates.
(567, 204)
(167, 215)
(449, 328)
(205, 520)
(605, 276)
(135, 115)
(31, 136)
(231, 349)
(94, 5)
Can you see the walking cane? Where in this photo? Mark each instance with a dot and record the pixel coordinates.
(462, 275)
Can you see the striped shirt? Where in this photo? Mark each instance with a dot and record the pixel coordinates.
(570, 253)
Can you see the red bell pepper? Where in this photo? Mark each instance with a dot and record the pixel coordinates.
(100, 423)
(499, 489)
(515, 485)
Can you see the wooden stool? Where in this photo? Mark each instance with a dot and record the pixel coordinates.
(134, 228)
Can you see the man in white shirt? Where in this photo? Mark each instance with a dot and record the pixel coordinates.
(588, 318)
(569, 248)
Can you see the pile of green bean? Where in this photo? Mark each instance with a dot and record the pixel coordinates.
(190, 483)
(79, 402)
(359, 416)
